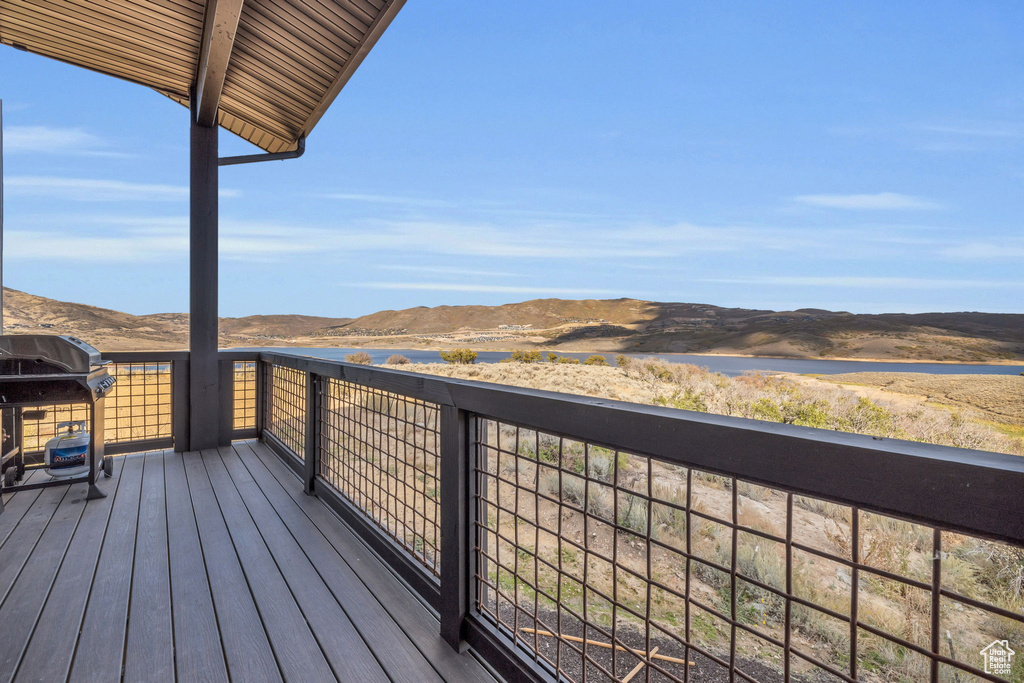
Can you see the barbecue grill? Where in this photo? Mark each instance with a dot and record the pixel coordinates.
(44, 370)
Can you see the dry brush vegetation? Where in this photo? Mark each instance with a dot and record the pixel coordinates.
(982, 570)
(756, 396)
(995, 398)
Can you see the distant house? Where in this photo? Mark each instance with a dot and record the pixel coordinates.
(998, 657)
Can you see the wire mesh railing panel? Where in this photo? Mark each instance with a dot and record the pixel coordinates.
(35, 433)
(285, 406)
(139, 406)
(601, 563)
(381, 452)
(245, 395)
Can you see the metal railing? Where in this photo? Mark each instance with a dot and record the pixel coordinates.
(284, 406)
(381, 451)
(588, 539)
(148, 405)
(139, 406)
(244, 383)
(139, 410)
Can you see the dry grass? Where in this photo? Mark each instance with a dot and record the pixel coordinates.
(755, 396)
(998, 397)
(587, 380)
(986, 571)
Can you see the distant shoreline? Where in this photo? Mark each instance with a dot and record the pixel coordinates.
(915, 361)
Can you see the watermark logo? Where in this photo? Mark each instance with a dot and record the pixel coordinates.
(998, 658)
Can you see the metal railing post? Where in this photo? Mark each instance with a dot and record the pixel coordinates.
(261, 397)
(180, 405)
(226, 381)
(455, 500)
(311, 457)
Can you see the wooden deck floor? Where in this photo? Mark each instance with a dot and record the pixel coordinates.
(204, 567)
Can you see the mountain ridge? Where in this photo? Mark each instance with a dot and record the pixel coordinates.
(608, 325)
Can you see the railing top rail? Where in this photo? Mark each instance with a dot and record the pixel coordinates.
(169, 356)
(411, 384)
(144, 356)
(232, 355)
(977, 492)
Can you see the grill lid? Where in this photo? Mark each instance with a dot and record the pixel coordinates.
(62, 353)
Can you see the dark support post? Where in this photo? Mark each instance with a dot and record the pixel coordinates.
(455, 579)
(96, 426)
(311, 457)
(179, 405)
(1, 216)
(261, 397)
(204, 377)
(227, 405)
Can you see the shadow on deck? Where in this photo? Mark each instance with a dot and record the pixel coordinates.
(212, 567)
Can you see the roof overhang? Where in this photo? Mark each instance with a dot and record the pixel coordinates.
(266, 70)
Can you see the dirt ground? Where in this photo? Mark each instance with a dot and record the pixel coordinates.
(568, 655)
(999, 398)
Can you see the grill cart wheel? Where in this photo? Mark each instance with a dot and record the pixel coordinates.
(11, 476)
(108, 467)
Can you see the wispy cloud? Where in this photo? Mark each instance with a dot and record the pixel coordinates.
(50, 140)
(428, 205)
(986, 251)
(887, 201)
(49, 246)
(388, 199)
(983, 130)
(947, 146)
(572, 246)
(458, 287)
(445, 270)
(96, 190)
(867, 282)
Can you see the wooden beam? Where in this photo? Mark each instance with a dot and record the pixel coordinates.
(219, 30)
(375, 30)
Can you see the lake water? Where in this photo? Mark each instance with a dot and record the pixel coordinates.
(727, 365)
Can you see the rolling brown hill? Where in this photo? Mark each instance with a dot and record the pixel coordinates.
(648, 326)
(585, 325)
(113, 330)
(539, 313)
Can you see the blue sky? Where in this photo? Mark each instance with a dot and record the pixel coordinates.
(864, 156)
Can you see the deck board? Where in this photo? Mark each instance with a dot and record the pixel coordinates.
(17, 506)
(414, 618)
(149, 651)
(204, 567)
(198, 654)
(53, 644)
(20, 610)
(23, 539)
(356, 572)
(295, 644)
(348, 654)
(97, 656)
(246, 647)
(371, 627)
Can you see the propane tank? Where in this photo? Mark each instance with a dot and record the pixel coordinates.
(67, 454)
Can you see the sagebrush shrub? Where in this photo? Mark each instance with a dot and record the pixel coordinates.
(459, 356)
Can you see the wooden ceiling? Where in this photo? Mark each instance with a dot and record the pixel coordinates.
(266, 70)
